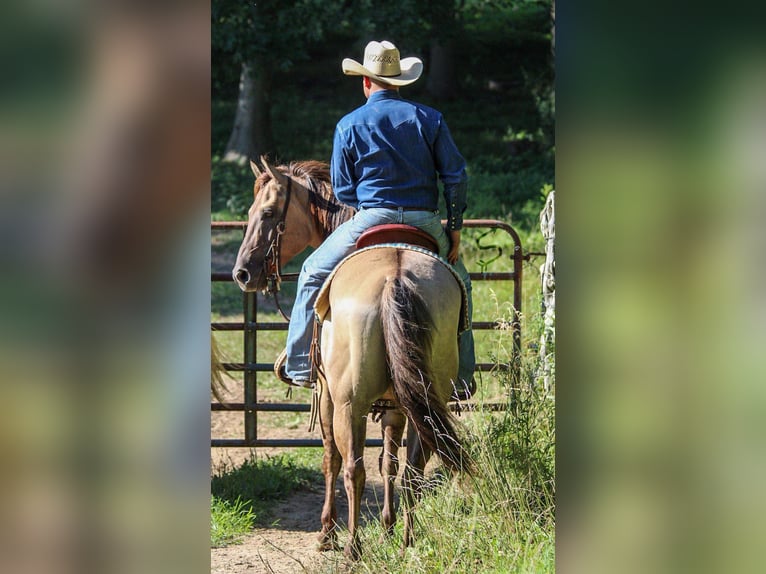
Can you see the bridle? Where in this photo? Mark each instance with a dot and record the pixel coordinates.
(272, 264)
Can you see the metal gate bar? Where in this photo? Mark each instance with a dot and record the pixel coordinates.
(250, 326)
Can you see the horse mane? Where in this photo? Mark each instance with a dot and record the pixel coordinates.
(324, 206)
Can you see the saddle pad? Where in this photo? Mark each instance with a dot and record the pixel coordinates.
(322, 305)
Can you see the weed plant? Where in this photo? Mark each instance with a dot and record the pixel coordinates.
(242, 496)
(229, 521)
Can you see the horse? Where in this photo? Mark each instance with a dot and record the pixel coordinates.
(389, 333)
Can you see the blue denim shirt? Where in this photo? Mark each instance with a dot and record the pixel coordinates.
(389, 152)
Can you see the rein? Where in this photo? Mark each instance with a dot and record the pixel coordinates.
(272, 263)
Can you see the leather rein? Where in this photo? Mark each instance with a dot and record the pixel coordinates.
(272, 264)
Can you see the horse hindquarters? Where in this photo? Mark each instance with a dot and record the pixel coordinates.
(379, 328)
(419, 311)
(421, 346)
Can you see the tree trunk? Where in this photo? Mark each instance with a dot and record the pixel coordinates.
(441, 77)
(251, 135)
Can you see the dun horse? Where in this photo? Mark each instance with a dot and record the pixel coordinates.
(391, 319)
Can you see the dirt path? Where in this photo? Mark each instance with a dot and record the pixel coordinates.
(288, 545)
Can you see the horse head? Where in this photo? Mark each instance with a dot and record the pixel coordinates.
(267, 245)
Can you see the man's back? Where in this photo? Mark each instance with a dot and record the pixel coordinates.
(387, 153)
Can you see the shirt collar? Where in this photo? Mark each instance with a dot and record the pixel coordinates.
(384, 95)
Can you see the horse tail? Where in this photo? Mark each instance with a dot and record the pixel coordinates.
(217, 373)
(407, 326)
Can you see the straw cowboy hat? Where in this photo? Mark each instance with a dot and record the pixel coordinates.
(381, 62)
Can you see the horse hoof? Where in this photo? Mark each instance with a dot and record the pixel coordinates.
(327, 543)
(353, 552)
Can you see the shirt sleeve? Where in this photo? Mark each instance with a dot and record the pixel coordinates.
(342, 170)
(451, 167)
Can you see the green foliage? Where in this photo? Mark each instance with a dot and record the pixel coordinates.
(511, 196)
(242, 496)
(238, 180)
(502, 120)
(229, 521)
(523, 442)
(276, 32)
(260, 480)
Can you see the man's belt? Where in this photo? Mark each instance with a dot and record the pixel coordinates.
(403, 208)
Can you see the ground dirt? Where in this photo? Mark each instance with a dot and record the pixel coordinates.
(288, 545)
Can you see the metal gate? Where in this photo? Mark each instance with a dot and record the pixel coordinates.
(251, 326)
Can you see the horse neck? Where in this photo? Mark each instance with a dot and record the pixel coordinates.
(301, 228)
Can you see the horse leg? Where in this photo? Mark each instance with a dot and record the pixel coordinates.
(349, 424)
(417, 456)
(392, 426)
(331, 461)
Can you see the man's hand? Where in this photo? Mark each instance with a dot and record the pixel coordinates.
(454, 249)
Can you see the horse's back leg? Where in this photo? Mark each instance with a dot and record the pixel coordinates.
(349, 424)
(392, 426)
(417, 457)
(331, 462)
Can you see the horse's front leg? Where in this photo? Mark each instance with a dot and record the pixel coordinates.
(392, 427)
(417, 456)
(331, 461)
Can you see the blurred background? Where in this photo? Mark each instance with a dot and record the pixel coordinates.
(105, 258)
(661, 135)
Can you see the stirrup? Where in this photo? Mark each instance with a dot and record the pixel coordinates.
(281, 374)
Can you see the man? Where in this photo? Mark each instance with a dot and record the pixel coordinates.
(387, 158)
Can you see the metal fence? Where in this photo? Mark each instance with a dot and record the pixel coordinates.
(251, 326)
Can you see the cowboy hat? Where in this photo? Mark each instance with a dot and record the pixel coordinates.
(381, 63)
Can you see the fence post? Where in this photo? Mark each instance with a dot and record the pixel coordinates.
(250, 375)
(548, 279)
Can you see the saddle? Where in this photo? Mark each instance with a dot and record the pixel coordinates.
(397, 233)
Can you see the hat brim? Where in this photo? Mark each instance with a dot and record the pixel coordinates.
(411, 70)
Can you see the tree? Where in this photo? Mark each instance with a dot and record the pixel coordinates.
(443, 19)
(261, 38)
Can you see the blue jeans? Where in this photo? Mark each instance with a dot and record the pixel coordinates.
(337, 246)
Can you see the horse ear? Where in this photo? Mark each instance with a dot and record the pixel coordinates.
(266, 166)
(277, 175)
(256, 170)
